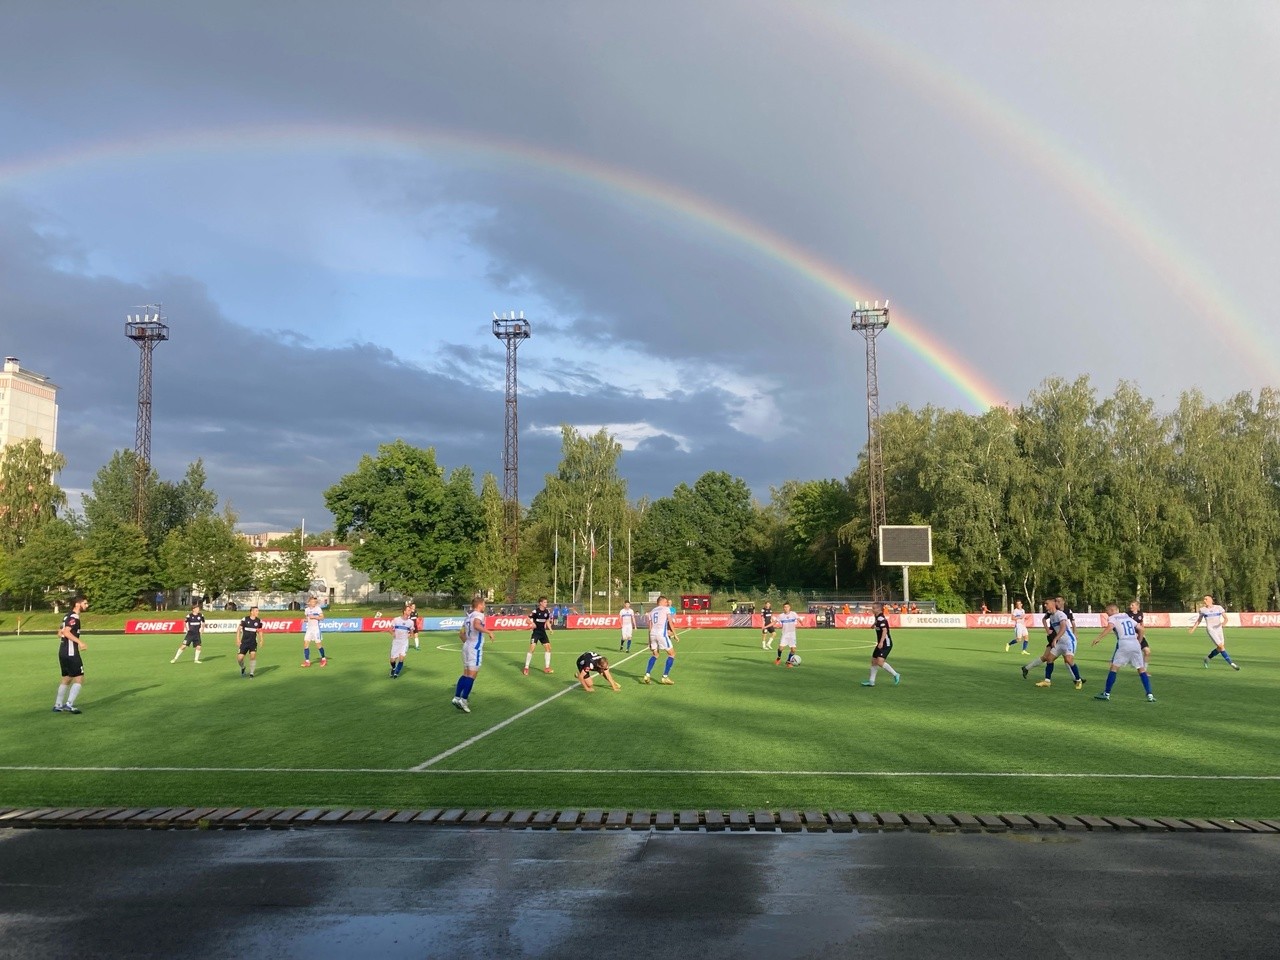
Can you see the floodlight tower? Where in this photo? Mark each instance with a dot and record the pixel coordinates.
(146, 329)
(513, 330)
(868, 320)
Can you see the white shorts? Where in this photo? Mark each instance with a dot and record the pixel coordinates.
(399, 647)
(472, 654)
(1128, 656)
(1063, 647)
(1019, 631)
(312, 635)
(626, 631)
(1215, 634)
(787, 642)
(659, 643)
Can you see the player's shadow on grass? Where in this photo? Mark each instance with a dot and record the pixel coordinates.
(261, 670)
(120, 695)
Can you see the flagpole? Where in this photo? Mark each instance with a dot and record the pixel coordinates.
(591, 592)
(555, 572)
(573, 571)
(628, 564)
(610, 603)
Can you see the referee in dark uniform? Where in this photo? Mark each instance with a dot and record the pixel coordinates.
(69, 647)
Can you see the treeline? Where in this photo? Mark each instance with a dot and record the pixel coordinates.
(48, 552)
(1095, 497)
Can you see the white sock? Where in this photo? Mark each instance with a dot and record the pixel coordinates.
(874, 671)
(892, 672)
(71, 697)
(179, 653)
(528, 659)
(253, 665)
(547, 656)
(62, 695)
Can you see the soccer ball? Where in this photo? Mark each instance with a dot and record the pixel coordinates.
(795, 660)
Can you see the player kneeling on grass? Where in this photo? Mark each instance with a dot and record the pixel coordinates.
(884, 647)
(247, 631)
(1131, 650)
(592, 662)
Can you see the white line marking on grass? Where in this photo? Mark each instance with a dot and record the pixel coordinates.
(422, 767)
(38, 769)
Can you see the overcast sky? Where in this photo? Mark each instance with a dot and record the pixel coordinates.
(331, 200)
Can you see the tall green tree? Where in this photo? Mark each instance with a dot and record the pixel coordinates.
(408, 527)
(169, 505)
(113, 566)
(207, 553)
(492, 564)
(291, 572)
(29, 495)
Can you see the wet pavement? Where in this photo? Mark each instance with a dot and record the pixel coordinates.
(406, 892)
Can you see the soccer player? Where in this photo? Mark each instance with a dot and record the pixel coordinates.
(541, 618)
(472, 634)
(69, 647)
(247, 638)
(1214, 617)
(593, 661)
(884, 647)
(787, 620)
(1062, 643)
(766, 629)
(411, 611)
(311, 617)
(662, 639)
(1020, 631)
(1131, 649)
(195, 627)
(1137, 616)
(627, 619)
(402, 627)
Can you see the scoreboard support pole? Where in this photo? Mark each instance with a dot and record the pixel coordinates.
(906, 584)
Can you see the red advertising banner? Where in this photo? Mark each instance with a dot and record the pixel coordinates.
(291, 625)
(508, 621)
(593, 621)
(712, 621)
(863, 620)
(1254, 619)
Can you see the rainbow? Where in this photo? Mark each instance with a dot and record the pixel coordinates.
(613, 181)
(1193, 281)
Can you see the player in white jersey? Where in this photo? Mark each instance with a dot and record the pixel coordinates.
(472, 635)
(787, 620)
(1131, 649)
(403, 628)
(627, 620)
(1062, 643)
(1214, 617)
(311, 617)
(1020, 631)
(662, 639)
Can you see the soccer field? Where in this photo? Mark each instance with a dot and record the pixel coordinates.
(963, 731)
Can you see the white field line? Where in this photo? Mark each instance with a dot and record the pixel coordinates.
(898, 774)
(507, 722)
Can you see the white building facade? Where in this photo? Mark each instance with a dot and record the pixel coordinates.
(28, 406)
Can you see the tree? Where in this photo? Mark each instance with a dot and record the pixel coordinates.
(43, 566)
(169, 505)
(206, 552)
(294, 570)
(697, 535)
(29, 497)
(409, 528)
(113, 566)
(492, 565)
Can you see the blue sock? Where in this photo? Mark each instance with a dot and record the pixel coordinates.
(1111, 680)
(467, 684)
(1075, 671)
(306, 654)
(649, 669)
(399, 667)
(1024, 644)
(628, 646)
(1213, 653)
(462, 685)
(1146, 682)
(671, 662)
(322, 653)
(1048, 670)
(1226, 656)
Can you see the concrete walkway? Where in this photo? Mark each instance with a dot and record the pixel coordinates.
(404, 892)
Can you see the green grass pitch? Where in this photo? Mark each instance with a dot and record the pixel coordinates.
(963, 732)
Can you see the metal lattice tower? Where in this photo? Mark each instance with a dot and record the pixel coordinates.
(513, 330)
(868, 320)
(146, 330)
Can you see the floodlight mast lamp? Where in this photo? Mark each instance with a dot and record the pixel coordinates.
(512, 329)
(146, 329)
(868, 320)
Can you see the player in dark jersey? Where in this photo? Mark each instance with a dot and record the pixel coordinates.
(411, 612)
(195, 627)
(541, 618)
(69, 647)
(766, 626)
(247, 636)
(884, 646)
(592, 662)
(1136, 614)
